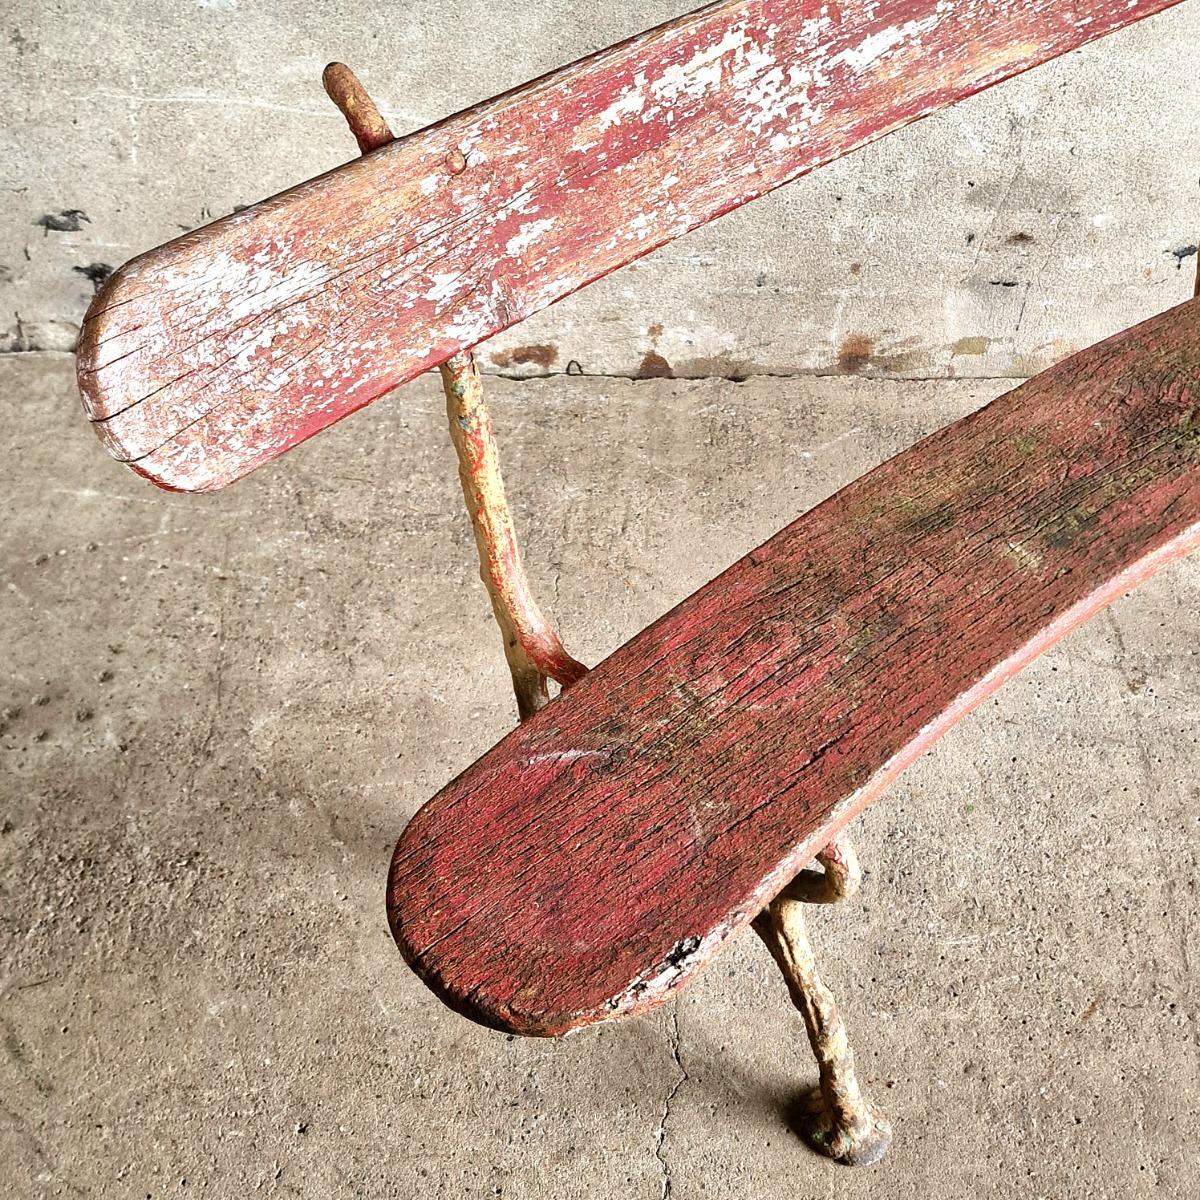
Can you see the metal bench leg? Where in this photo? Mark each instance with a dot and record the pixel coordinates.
(843, 1124)
(840, 1122)
(532, 648)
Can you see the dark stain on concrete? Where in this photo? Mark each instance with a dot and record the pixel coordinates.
(69, 220)
(12, 1044)
(854, 355)
(1020, 238)
(654, 366)
(1182, 253)
(542, 355)
(96, 273)
(858, 354)
(726, 365)
(16, 339)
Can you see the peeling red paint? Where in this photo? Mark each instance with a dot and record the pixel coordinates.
(593, 861)
(217, 352)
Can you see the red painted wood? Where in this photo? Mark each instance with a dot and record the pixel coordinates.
(594, 860)
(213, 354)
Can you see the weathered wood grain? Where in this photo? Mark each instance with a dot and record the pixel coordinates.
(213, 354)
(597, 857)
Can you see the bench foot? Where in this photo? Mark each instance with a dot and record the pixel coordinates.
(835, 1119)
(860, 1142)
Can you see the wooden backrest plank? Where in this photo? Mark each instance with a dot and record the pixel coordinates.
(595, 859)
(218, 351)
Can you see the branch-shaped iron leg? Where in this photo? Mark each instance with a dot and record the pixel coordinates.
(532, 648)
(840, 1122)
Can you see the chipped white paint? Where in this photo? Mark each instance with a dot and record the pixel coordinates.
(871, 49)
(701, 73)
(529, 233)
(630, 102)
(445, 284)
(561, 756)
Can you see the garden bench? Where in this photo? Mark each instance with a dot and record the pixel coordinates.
(593, 861)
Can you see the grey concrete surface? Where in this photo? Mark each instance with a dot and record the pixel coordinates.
(218, 713)
(988, 240)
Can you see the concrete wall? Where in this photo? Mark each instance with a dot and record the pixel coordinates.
(990, 239)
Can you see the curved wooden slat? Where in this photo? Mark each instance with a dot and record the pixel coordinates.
(595, 859)
(218, 351)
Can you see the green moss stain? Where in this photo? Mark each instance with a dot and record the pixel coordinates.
(1028, 442)
(1185, 435)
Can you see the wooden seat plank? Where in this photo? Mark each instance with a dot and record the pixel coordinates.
(599, 855)
(214, 353)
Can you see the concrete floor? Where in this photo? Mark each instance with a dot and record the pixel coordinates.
(219, 712)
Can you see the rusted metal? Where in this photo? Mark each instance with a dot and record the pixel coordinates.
(840, 879)
(838, 1120)
(531, 646)
(533, 650)
(365, 120)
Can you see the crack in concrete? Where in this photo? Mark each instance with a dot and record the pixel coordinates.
(660, 1135)
(750, 376)
(201, 755)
